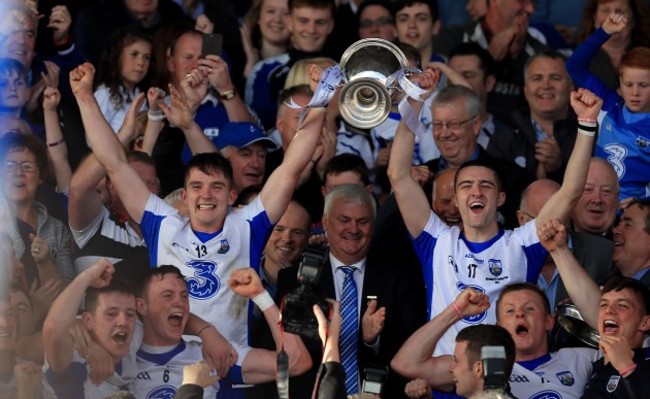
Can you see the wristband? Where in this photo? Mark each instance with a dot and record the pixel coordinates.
(460, 315)
(263, 301)
(587, 129)
(627, 370)
(58, 142)
(156, 116)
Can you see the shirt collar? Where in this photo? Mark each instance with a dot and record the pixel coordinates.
(337, 263)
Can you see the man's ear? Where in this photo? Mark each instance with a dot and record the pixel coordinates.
(141, 306)
(478, 368)
(168, 59)
(232, 196)
(549, 322)
(436, 27)
(489, 83)
(501, 199)
(87, 320)
(645, 323)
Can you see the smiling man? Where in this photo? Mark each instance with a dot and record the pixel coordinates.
(596, 209)
(482, 256)
(416, 22)
(310, 22)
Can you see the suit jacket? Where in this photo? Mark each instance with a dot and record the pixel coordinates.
(399, 289)
(594, 253)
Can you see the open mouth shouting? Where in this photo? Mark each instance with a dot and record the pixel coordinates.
(120, 337)
(610, 327)
(176, 319)
(521, 330)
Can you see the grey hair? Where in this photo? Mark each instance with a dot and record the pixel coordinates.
(350, 193)
(174, 196)
(450, 94)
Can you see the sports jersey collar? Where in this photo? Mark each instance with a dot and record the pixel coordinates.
(533, 364)
(205, 237)
(162, 358)
(478, 247)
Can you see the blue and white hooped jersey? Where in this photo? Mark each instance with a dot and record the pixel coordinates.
(451, 263)
(161, 374)
(207, 266)
(258, 92)
(560, 375)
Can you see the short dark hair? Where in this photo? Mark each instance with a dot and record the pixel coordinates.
(117, 285)
(13, 141)
(482, 164)
(410, 52)
(398, 5)
(209, 163)
(8, 65)
(300, 90)
(644, 205)
(515, 287)
(482, 335)
(321, 4)
(139, 156)
(367, 3)
(486, 62)
(145, 279)
(346, 162)
(638, 288)
(552, 54)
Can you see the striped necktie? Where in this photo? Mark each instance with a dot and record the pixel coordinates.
(350, 331)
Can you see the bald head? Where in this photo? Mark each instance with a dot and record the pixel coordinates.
(442, 198)
(596, 209)
(534, 197)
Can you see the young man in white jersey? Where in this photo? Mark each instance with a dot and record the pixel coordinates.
(481, 256)
(213, 242)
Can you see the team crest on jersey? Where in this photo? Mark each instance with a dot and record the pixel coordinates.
(641, 142)
(204, 284)
(613, 383)
(546, 395)
(476, 319)
(452, 263)
(162, 392)
(223, 247)
(495, 267)
(566, 378)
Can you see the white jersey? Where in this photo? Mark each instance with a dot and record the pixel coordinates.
(161, 374)
(207, 264)
(451, 263)
(74, 382)
(560, 375)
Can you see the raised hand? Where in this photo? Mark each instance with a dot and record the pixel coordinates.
(618, 350)
(426, 80)
(418, 389)
(552, 235)
(81, 79)
(51, 98)
(100, 273)
(51, 78)
(216, 71)
(40, 249)
(372, 322)
(614, 23)
(194, 87)
(130, 123)
(548, 153)
(471, 302)
(245, 282)
(178, 113)
(204, 25)
(44, 296)
(586, 104)
(155, 96)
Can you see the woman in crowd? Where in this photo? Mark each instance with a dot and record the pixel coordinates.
(264, 33)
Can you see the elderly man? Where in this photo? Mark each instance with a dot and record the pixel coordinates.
(542, 136)
(596, 209)
(384, 303)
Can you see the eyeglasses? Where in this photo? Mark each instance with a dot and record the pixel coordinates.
(26, 166)
(451, 125)
(379, 22)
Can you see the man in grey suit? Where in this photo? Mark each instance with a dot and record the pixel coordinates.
(593, 252)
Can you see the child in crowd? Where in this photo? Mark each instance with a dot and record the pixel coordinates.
(624, 137)
(124, 73)
(13, 87)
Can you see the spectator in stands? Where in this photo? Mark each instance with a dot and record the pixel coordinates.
(443, 197)
(606, 61)
(14, 92)
(503, 32)
(596, 209)
(48, 242)
(265, 33)
(374, 19)
(125, 72)
(624, 134)
(245, 146)
(416, 22)
(310, 22)
(542, 136)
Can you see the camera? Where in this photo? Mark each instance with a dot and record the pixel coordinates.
(494, 367)
(297, 306)
(374, 377)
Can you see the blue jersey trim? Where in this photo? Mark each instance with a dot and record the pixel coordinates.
(531, 365)
(478, 247)
(205, 237)
(150, 226)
